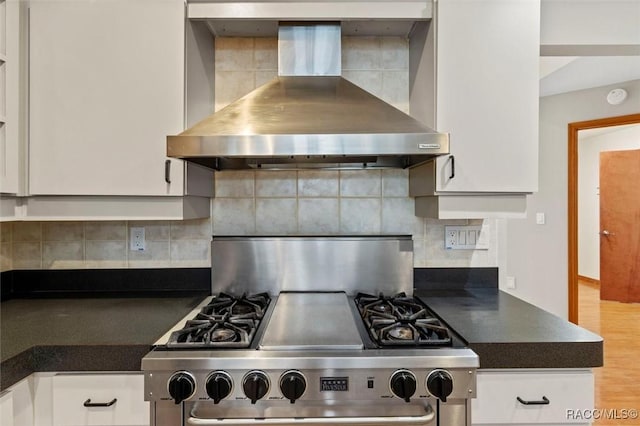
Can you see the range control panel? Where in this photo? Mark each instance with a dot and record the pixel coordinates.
(288, 386)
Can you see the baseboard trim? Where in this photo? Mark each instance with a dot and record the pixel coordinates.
(588, 280)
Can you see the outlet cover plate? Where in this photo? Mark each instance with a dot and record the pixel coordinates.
(467, 237)
(136, 239)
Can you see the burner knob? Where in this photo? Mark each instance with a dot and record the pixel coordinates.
(218, 385)
(292, 385)
(182, 386)
(403, 384)
(255, 385)
(440, 384)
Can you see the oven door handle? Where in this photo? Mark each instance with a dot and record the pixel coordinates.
(426, 419)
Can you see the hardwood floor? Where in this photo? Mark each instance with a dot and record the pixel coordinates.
(618, 382)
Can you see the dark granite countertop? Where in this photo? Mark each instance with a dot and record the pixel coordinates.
(113, 334)
(83, 334)
(507, 332)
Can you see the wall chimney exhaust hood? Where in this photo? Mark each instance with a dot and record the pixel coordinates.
(308, 117)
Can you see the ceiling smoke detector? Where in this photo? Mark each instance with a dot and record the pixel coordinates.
(617, 96)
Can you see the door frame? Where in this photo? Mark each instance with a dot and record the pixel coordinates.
(572, 198)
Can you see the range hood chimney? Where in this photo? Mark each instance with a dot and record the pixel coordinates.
(308, 117)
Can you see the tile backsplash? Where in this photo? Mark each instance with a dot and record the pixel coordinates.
(79, 245)
(309, 202)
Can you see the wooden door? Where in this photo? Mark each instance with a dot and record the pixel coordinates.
(620, 225)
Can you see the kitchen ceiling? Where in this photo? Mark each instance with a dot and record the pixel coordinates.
(560, 74)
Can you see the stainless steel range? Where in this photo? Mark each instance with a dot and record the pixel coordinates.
(310, 331)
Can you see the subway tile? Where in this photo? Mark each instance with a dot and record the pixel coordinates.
(191, 253)
(27, 255)
(233, 216)
(318, 216)
(62, 254)
(6, 263)
(153, 230)
(156, 254)
(197, 229)
(6, 231)
(360, 183)
(318, 183)
(395, 89)
(265, 55)
(231, 86)
(395, 183)
(234, 54)
(27, 231)
(105, 231)
(276, 184)
(62, 231)
(361, 53)
(234, 184)
(398, 217)
(360, 215)
(369, 80)
(395, 53)
(105, 254)
(276, 216)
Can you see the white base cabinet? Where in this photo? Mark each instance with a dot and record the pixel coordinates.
(99, 399)
(6, 409)
(61, 399)
(570, 396)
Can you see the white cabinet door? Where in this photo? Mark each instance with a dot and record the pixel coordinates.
(6, 409)
(487, 94)
(10, 84)
(106, 88)
(77, 400)
(567, 397)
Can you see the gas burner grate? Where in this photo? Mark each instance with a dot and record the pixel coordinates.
(401, 320)
(225, 322)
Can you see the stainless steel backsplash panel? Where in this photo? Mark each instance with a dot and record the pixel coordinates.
(351, 264)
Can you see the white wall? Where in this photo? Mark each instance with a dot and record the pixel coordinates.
(567, 22)
(536, 255)
(591, 144)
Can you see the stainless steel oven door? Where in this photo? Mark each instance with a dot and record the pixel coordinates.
(205, 414)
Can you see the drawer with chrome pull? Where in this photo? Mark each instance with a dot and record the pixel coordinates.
(99, 399)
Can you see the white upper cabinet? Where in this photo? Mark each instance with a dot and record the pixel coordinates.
(9, 96)
(106, 88)
(487, 94)
(482, 89)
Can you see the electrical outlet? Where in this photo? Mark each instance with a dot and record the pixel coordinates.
(470, 237)
(511, 282)
(450, 237)
(136, 239)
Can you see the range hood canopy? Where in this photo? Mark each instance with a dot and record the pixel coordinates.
(308, 117)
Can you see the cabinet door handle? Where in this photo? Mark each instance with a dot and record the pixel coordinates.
(453, 166)
(88, 403)
(167, 171)
(545, 401)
